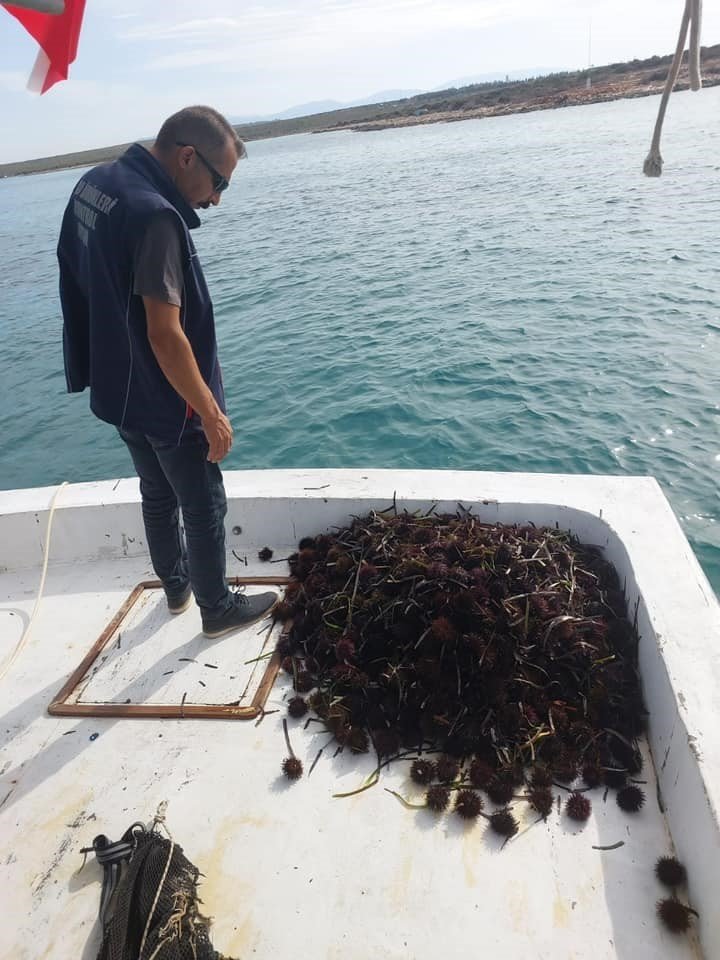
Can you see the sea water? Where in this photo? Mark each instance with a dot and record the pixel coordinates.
(503, 294)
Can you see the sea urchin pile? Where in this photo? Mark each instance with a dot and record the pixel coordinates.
(499, 647)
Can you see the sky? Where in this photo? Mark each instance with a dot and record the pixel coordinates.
(138, 62)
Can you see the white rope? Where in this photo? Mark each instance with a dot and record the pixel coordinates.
(159, 818)
(22, 642)
(694, 48)
(691, 17)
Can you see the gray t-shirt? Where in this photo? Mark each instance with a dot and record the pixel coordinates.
(158, 266)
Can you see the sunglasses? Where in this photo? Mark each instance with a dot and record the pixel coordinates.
(218, 180)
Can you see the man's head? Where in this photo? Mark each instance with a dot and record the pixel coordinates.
(199, 149)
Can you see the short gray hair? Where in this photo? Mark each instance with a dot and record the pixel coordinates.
(201, 127)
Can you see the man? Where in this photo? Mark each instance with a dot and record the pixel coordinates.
(139, 332)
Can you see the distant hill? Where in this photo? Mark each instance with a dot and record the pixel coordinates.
(301, 110)
(498, 97)
(496, 77)
(325, 106)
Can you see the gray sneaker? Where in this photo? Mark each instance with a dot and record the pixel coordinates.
(244, 611)
(180, 604)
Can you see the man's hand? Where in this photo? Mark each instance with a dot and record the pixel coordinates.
(219, 433)
(177, 361)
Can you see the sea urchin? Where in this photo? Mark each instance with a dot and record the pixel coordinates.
(541, 799)
(387, 742)
(578, 806)
(358, 740)
(303, 681)
(422, 771)
(297, 707)
(541, 777)
(468, 804)
(592, 775)
(504, 823)
(437, 798)
(292, 768)
(630, 799)
(481, 773)
(670, 872)
(500, 790)
(447, 769)
(675, 915)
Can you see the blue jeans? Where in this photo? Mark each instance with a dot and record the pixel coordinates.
(180, 476)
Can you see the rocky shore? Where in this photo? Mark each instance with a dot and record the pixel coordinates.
(574, 98)
(601, 84)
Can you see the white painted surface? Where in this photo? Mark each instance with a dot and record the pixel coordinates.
(291, 868)
(154, 658)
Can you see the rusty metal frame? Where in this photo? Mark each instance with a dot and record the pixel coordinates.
(59, 706)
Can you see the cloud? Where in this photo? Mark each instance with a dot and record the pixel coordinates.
(301, 33)
(266, 21)
(193, 58)
(187, 29)
(281, 37)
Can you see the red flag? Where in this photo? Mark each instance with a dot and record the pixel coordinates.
(58, 38)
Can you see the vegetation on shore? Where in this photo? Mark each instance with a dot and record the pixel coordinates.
(636, 78)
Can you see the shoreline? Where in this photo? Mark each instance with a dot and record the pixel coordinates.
(636, 78)
(572, 99)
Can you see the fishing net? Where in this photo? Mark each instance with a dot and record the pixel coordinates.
(149, 907)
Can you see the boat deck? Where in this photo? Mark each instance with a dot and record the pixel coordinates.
(292, 867)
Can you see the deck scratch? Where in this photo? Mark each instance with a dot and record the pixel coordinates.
(667, 751)
(40, 882)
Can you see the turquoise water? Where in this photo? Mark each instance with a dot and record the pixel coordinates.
(507, 294)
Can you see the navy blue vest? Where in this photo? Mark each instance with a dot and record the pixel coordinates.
(105, 332)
